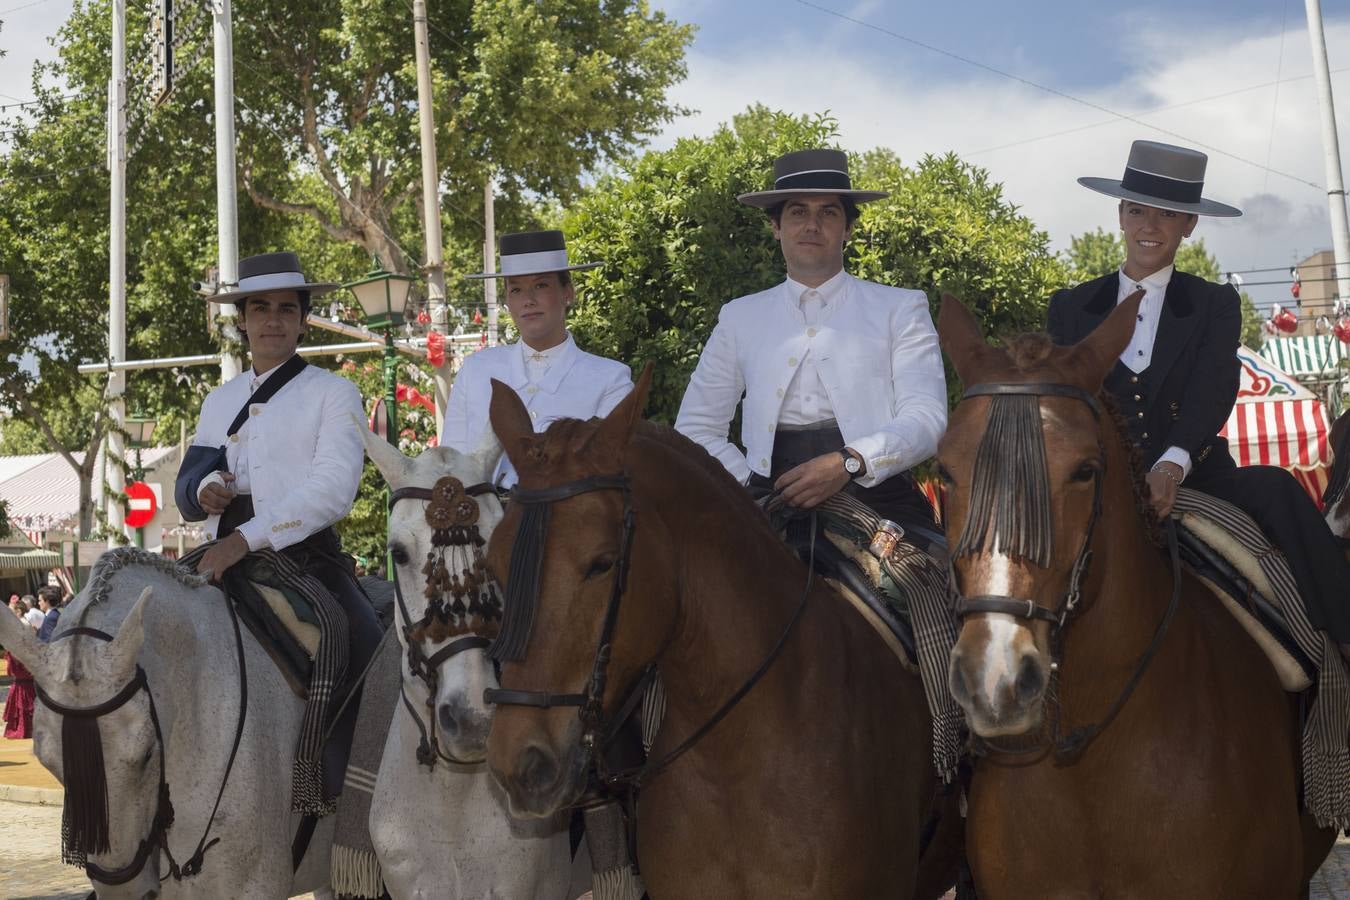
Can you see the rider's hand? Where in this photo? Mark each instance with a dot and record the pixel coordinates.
(214, 497)
(1163, 482)
(814, 481)
(222, 555)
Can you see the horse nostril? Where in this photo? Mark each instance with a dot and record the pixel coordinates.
(538, 770)
(1030, 680)
(449, 719)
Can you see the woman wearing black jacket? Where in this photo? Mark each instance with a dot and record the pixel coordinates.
(1177, 381)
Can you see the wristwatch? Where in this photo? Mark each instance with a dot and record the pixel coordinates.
(852, 465)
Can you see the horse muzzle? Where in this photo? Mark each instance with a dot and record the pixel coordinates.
(1001, 688)
(539, 782)
(463, 730)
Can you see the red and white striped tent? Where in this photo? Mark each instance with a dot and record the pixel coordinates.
(1279, 422)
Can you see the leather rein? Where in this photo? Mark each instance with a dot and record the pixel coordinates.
(157, 839)
(421, 665)
(597, 732)
(1067, 747)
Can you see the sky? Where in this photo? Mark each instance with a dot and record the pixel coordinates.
(1036, 93)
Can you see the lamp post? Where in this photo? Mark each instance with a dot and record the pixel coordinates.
(140, 429)
(383, 296)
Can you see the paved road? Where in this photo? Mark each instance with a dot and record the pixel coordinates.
(31, 868)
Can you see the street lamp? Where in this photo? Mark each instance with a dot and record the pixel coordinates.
(140, 428)
(383, 296)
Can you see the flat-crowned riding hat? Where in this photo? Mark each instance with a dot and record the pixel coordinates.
(271, 273)
(809, 172)
(1164, 176)
(533, 253)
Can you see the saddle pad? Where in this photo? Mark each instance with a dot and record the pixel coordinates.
(1239, 576)
(305, 634)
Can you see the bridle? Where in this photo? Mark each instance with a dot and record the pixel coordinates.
(598, 731)
(453, 517)
(1067, 747)
(157, 839)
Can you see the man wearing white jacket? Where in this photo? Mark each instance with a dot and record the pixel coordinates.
(554, 377)
(841, 379)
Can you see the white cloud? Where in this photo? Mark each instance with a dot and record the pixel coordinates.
(895, 104)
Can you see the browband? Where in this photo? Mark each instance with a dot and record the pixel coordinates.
(1035, 389)
(571, 489)
(425, 493)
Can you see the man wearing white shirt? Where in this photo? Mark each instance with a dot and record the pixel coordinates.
(840, 379)
(554, 378)
(274, 465)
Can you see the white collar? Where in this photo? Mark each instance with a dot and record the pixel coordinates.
(260, 377)
(551, 355)
(829, 291)
(1158, 281)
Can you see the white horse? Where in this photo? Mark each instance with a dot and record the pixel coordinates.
(444, 831)
(176, 731)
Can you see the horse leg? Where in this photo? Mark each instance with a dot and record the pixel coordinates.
(943, 844)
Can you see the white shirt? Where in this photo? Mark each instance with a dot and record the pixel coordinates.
(1139, 354)
(34, 617)
(299, 454)
(563, 382)
(805, 401)
(876, 354)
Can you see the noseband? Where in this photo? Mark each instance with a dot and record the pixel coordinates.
(453, 518)
(1070, 746)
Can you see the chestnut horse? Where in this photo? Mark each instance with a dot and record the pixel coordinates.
(1179, 775)
(1336, 499)
(793, 760)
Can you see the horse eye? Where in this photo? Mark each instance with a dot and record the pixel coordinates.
(600, 565)
(149, 754)
(399, 554)
(1085, 472)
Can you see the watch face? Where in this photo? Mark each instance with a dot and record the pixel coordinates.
(852, 466)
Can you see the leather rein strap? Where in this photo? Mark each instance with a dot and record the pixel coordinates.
(1070, 746)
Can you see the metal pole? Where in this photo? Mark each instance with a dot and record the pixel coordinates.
(490, 260)
(117, 261)
(391, 424)
(227, 218)
(431, 204)
(1340, 228)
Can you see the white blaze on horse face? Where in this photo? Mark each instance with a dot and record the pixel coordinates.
(1001, 649)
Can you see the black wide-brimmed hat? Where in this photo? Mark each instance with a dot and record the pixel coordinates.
(1164, 176)
(271, 273)
(533, 253)
(809, 172)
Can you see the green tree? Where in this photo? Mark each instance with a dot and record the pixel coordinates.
(676, 244)
(1095, 253)
(538, 91)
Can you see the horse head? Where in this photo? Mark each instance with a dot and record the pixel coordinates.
(566, 543)
(447, 606)
(1024, 462)
(94, 729)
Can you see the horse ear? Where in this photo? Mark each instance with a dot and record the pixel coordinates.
(510, 422)
(391, 461)
(617, 428)
(125, 648)
(1092, 358)
(18, 638)
(483, 459)
(961, 337)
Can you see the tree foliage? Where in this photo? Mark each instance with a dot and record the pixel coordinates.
(676, 245)
(1095, 253)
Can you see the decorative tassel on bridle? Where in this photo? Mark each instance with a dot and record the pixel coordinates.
(522, 588)
(461, 595)
(1010, 491)
(84, 817)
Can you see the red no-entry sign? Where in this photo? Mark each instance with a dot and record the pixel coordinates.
(140, 504)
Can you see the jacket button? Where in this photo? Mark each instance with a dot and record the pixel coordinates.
(763, 463)
(1145, 435)
(1137, 398)
(255, 410)
(770, 429)
(810, 332)
(792, 360)
(534, 414)
(1134, 379)
(234, 438)
(532, 389)
(780, 392)
(1139, 415)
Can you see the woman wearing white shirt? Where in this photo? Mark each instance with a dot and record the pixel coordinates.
(554, 378)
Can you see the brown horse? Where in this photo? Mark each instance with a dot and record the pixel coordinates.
(1185, 786)
(816, 783)
(1336, 498)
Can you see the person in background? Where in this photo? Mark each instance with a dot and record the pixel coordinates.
(18, 715)
(49, 602)
(31, 614)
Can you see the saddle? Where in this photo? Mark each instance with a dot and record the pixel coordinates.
(1222, 547)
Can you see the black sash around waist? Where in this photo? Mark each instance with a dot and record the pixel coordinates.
(322, 549)
(897, 498)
